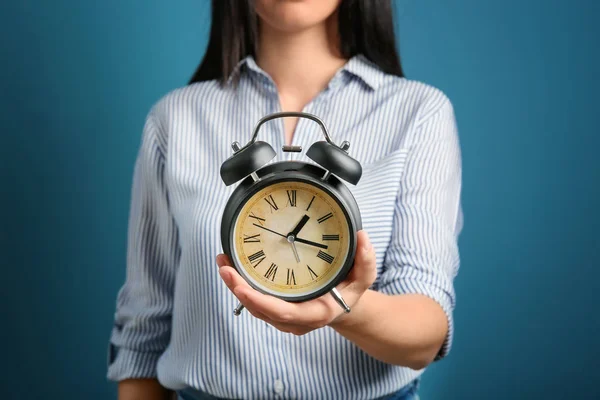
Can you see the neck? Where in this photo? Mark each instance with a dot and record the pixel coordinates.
(300, 63)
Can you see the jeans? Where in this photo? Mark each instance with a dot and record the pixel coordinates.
(408, 392)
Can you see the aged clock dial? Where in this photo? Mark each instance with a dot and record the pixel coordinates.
(291, 238)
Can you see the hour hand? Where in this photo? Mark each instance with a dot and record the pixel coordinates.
(300, 225)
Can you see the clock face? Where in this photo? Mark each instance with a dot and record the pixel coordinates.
(291, 239)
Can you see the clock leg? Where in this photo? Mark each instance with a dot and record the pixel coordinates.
(238, 310)
(340, 300)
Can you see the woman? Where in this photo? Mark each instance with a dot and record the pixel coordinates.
(175, 333)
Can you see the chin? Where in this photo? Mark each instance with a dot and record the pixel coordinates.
(292, 16)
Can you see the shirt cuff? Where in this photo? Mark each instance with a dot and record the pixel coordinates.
(124, 363)
(439, 295)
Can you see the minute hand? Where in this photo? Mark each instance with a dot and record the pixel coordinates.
(322, 246)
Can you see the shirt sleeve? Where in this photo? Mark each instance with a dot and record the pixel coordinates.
(423, 255)
(142, 321)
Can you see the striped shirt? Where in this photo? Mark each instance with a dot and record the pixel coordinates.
(174, 317)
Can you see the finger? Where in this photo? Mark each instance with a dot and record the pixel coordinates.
(313, 313)
(243, 291)
(272, 309)
(240, 288)
(283, 327)
(364, 271)
(233, 280)
(223, 260)
(257, 314)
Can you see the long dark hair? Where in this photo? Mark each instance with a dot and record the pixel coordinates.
(365, 27)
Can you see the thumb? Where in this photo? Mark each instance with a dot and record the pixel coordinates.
(364, 271)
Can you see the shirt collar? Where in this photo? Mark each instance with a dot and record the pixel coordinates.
(368, 72)
(357, 66)
(246, 62)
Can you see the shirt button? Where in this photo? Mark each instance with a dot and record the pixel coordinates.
(278, 386)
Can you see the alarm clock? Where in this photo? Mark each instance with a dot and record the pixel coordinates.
(289, 228)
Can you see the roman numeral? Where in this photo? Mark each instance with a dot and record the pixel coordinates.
(259, 219)
(325, 217)
(331, 237)
(271, 202)
(309, 204)
(313, 274)
(325, 257)
(252, 238)
(271, 272)
(291, 197)
(290, 277)
(257, 257)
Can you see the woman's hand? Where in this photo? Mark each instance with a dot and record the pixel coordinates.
(301, 318)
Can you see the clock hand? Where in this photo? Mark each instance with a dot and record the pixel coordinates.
(291, 239)
(267, 229)
(300, 225)
(319, 245)
(322, 246)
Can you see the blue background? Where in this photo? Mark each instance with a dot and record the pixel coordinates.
(78, 78)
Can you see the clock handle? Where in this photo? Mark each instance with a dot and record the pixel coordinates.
(255, 154)
(327, 154)
(291, 114)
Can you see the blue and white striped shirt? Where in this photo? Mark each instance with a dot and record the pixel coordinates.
(174, 317)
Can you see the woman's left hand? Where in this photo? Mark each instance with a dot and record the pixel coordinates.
(301, 318)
